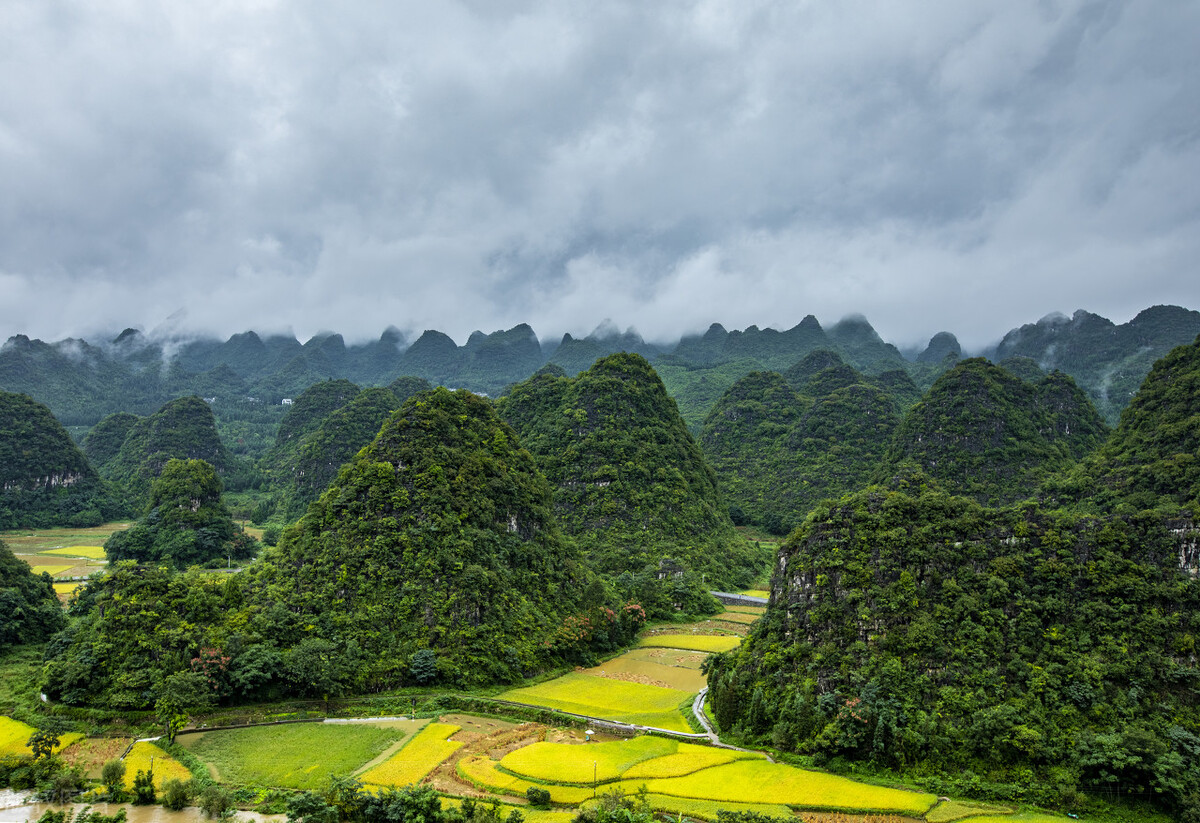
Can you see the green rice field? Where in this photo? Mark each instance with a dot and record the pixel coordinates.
(296, 755)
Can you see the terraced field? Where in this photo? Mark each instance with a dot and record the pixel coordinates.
(609, 698)
(695, 776)
(417, 757)
(147, 757)
(14, 735)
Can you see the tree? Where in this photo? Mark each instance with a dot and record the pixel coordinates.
(179, 693)
(43, 742)
(422, 665)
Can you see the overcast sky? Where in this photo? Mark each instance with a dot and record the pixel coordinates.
(930, 164)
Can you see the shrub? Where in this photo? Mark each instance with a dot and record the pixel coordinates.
(538, 798)
(176, 793)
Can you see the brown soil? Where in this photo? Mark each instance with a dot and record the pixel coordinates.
(479, 735)
(92, 753)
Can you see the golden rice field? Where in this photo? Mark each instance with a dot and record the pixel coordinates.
(51, 569)
(564, 763)
(713, 776)
(640, 669)
(416, 758)
(755, 593)
(1019, 817)
(483, 772)
(14, 735)
(90, 552)
(711, 643)
(143, 756)
(759, 611)
(737, 617)
(601, 697)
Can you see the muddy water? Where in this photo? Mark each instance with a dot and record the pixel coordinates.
(14, 808)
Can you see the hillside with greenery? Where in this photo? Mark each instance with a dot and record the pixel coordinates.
(984, 433)
(1152, 459)
(630, 484)
(186, 523)
(29, 608)
(1014, 653)
(1107, 360)
(432, 558)
(183, 429)
(44, 477)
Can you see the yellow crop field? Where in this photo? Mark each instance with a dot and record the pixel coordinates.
(711, 643)
(484, 772)
(90, 552)
(1020, 817)
(707, 809)
(143, 755)
(606, 698)
(417, 758)
(736, 617)
(14, 735)
(755, 593)
(66, 588)
(49, 568)
(568, 763)
(688, 759)
(650, 672)
(757, 781)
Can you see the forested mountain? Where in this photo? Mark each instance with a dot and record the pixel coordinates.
(44, 478)
(434, 555)
(29, 608)
(1109, 361)
(1012, 652)
(777, 452)
(1017, 652)
(984, 433)
(1152, 460)
(186, 522)
(183, 429)
(630, 484)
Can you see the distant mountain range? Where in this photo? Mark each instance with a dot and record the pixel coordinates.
(82, 381)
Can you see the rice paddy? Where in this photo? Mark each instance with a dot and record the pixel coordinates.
(293, 756)
(952, 810)
(484, 772)
(693, 775)
(650, 672)
(14, 737)
(90, 552)
(627, 702)
(711, 643)
(416, 758)
(737, 617)
(763, 593)
(147, 757)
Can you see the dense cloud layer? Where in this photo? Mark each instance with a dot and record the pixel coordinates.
(475, 164)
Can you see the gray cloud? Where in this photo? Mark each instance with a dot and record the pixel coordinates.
(932, 165)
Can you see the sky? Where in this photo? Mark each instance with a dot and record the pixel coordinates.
(309, 166)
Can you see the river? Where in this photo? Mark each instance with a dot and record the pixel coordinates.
(15, 807)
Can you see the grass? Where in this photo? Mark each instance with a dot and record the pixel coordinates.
(293, 756)
(146, 756)
(417, 758)
(567, 763)
(711, 643)
(609, 699)
(20, 670)
(90, 552)
(952, 810)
